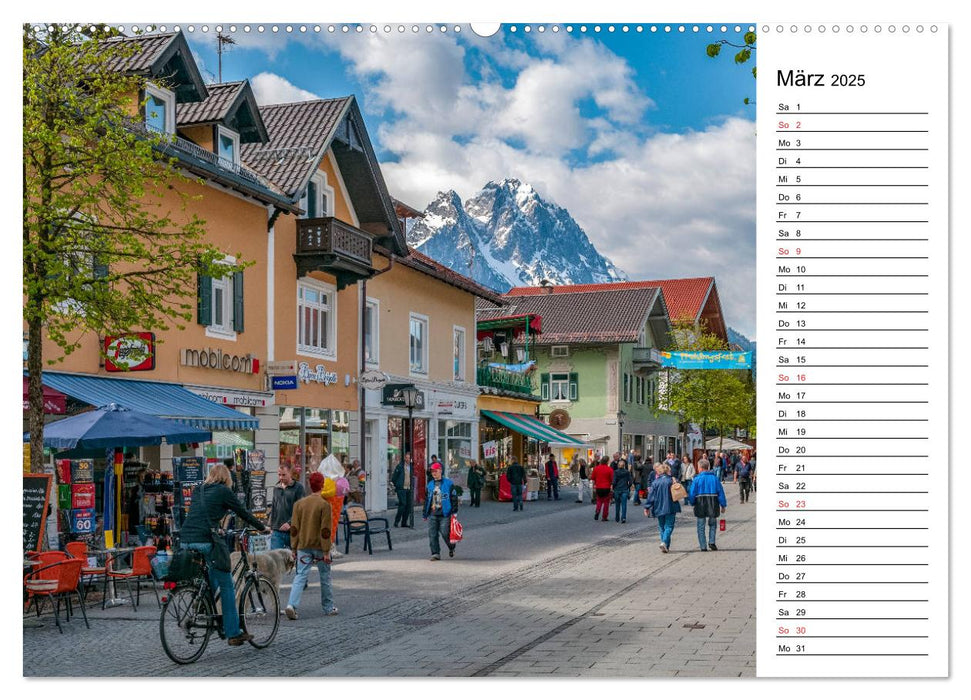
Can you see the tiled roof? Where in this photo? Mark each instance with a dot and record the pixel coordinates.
(581, 313)
(212, 109)
(684, 297)
(149, 48)
(298, 132)
(423, 263)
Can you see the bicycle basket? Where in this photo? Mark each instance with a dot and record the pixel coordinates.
(258, 544)
(185, 565)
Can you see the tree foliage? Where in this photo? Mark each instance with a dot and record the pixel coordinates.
(719, 398)
(109, 245)
(743, 55)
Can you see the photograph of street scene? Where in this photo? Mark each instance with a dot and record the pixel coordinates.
(389, 351)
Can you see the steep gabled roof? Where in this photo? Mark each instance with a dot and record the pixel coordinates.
(300, 134)
(231, 104)
(163, 57)
(610, 315)
(694, 298)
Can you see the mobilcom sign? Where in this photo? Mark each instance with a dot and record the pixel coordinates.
(217, 359)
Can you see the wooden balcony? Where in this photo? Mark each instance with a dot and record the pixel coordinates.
(332, 246)
(646, 360)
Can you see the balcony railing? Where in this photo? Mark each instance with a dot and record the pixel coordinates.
(646, 359)
(332, 236)
(493, 377)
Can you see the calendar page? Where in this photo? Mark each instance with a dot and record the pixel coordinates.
(520, 315)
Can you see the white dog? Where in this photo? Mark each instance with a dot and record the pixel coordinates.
(272, 564)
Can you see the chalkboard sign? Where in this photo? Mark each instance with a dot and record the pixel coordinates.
(187, 469)
(37, 488)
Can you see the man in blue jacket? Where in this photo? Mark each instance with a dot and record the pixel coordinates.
(441, 502)
(708, 498)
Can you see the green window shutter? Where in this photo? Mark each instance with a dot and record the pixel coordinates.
(204, 300)
(238, 301)
(574, 387)
(544, 386)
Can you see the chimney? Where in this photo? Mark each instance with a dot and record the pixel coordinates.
(547, 285)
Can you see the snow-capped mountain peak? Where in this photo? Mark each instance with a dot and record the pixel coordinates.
(507, 235)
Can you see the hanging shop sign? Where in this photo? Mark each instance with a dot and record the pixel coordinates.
(132, 352)
(217, 359)
(490, 450)
(228, 397)
(393, 395)
(318, 374)
(373, 379)
(283, 381)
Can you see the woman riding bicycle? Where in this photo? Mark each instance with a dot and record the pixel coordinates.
(212, 500)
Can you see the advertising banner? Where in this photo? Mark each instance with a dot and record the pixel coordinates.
(707, 359)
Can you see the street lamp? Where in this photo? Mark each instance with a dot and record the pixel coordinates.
(621, 415)
(410, 396)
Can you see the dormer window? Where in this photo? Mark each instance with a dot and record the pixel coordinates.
(227, 146)
(318, 198)
(159, 109)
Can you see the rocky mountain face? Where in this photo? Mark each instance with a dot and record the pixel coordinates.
(506, 235)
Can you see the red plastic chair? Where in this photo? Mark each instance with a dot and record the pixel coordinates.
(141, 568)
(79, 550)
(55, 581)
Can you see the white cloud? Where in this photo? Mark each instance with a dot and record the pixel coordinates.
(271, 89)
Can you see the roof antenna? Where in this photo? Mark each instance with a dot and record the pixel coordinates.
(222, 40)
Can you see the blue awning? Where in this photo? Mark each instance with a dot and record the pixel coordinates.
(157, 398)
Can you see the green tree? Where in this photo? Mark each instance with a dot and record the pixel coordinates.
(719, 398)
(108, 243)
(743, 55)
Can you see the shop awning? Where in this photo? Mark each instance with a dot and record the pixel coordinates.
(156, 398)
(531, 427)
(54, 401)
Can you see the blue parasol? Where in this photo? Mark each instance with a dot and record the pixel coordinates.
(114, 426)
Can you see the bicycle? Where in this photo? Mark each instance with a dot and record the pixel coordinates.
(189, 616)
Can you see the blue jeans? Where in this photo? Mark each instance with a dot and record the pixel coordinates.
(712, 529)
(620, 505)
(280, 540)
(306, 558)
(439, 525)
(517, 496)
(221, 582)
(665, 526)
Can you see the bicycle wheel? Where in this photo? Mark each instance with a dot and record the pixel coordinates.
(186, 623)
(259, 610)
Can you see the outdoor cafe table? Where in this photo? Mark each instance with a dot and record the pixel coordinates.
(113, 601)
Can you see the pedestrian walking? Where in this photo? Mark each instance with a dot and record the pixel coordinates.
(660, 505)
(516, 476)
(440, 504)
(603, 480)
(708, 498)
(744, 473)
(581, 478)
(674, 464)
(311, 537)
(211, 500)
(687, 474)
(552, 478)
(403, 480)
(721, 466)
(643, 472)
(475, 481)
(287, 492)
(623, 480)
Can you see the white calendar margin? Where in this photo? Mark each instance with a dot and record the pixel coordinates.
(907, 68)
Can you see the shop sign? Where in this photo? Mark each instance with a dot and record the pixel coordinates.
(373, 379)
(187, 469)
(217, 359)
(465, 450)
(275, 367)
(255, 459)
(82, 520)
(318, 374)
(233, 398)
(393, 395)
(283, 381)
(82, 496)
(490, 450)
(451, 407)
(132, 352)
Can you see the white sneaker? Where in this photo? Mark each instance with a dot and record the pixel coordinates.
(291, 613)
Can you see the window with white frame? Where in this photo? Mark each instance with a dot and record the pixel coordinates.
(458, 353)
(316, 319)
(159, 109)
(418, 344)
(372, 331)
(318, 198)
(220, 303)
(227, 146)
(559, 387)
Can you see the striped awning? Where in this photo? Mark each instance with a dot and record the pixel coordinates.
(160, 399)
(531, 427)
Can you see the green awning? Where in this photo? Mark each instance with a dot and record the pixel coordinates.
(531, 427)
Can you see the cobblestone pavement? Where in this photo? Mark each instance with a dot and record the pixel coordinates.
(545, 592)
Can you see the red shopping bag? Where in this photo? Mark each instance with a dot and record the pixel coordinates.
(721, 525)
(454, 530)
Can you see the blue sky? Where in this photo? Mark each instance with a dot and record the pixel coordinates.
(641, 136)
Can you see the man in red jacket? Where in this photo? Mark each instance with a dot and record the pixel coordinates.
(602, 478)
